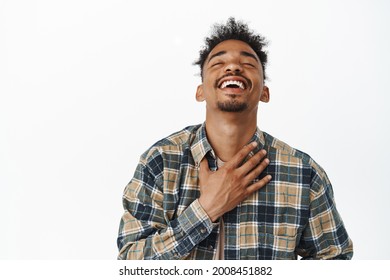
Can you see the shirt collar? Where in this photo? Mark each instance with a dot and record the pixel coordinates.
(201, 146)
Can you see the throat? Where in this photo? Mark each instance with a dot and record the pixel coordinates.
(227, 139)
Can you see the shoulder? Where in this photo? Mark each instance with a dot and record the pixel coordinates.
(179, 138)
(287, 156)
(281, 147)
(283, 151)
(170, 146)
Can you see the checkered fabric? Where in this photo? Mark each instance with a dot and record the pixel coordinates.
(293, 215)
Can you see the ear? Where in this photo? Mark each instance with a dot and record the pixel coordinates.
(200, 94)
(265, 95)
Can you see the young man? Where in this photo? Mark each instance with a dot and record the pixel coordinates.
(225, 189)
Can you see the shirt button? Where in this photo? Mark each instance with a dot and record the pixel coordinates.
(203, 230)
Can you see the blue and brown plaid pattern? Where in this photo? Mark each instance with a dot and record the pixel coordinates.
(294, 214)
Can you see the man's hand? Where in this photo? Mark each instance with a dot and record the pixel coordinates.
(224, 189)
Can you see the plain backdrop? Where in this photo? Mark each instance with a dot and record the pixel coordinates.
(87, 86)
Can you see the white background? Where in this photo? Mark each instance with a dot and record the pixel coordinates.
(87, 86)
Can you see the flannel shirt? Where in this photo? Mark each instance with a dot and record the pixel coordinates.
(294, 214)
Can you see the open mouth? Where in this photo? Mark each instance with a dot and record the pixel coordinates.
(232, 84)
(236, 83)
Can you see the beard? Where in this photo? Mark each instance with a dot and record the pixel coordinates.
(232, 106)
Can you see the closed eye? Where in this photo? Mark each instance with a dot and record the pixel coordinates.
(215, 64)
(250, 65)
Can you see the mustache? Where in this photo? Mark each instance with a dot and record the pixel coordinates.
(248, 82)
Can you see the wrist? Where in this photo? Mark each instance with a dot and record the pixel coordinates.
(210, 210)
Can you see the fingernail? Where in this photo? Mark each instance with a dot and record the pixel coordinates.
(254, 144)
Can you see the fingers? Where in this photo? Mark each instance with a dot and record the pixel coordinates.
(257, 170)
(252, 162)
(258, 185)
(241, 155)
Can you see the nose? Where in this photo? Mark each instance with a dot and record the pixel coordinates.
(234, 67)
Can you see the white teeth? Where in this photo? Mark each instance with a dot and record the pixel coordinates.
(237, 83)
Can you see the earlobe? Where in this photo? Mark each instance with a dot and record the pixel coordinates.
(199, 94)
(265, 95)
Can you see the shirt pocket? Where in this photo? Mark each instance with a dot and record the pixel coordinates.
(279, 247)
(264, 243)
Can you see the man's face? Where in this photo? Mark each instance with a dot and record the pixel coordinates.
(232, 78)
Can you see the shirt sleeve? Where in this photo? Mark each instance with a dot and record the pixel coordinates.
(145, 230)
(325, 236)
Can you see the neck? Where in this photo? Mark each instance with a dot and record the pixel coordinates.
(229, 132)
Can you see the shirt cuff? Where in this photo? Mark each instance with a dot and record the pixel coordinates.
(195, 222)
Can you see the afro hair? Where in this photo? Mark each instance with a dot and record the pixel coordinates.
(233, 30)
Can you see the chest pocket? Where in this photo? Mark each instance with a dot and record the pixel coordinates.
(270, 224)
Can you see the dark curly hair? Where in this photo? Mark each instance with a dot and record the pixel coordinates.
(235, 30)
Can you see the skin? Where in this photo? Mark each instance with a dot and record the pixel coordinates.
(229, 132)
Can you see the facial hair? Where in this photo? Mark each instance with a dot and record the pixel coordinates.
(232, 106)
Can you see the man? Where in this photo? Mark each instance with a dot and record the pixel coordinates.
(225, 189)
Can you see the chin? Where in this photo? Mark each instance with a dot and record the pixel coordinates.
(233, 107)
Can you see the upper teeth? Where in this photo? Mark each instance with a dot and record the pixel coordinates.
(238, 83)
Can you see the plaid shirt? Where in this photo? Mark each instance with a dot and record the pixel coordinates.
(294, 214)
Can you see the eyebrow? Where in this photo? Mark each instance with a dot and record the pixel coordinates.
(248, 54)
(216, 54)
(243, 53)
